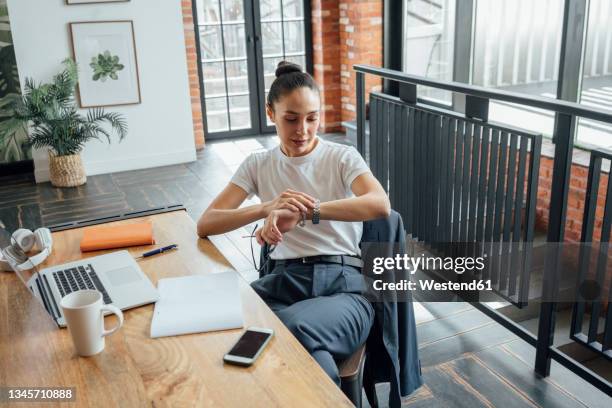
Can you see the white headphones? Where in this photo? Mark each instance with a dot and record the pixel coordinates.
(14, 257)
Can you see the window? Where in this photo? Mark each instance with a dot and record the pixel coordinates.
(429, 27)
(224, 64)
(596, 91)
(240, 43)
(517, 47)
(282, 31)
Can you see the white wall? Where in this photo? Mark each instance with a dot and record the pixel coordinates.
(160, 127)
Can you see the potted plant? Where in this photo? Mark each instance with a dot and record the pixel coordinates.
(55, 122)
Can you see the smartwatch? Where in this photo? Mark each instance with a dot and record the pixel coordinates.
(316, 212)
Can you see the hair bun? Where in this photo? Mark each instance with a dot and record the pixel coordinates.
(286, 67)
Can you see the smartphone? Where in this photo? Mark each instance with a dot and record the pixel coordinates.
(249, 346)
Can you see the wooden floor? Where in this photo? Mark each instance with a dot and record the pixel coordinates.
(468, 360)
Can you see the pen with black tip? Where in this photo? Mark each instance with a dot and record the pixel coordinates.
(157, 251)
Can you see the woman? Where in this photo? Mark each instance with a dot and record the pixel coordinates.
(305, 178)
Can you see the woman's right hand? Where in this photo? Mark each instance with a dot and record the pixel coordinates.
(277, 223)
(291, 200)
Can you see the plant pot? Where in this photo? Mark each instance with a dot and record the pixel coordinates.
(66, 171)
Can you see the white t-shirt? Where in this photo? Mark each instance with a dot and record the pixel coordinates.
(325, 173)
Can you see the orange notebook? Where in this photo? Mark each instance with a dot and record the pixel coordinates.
(118, 236)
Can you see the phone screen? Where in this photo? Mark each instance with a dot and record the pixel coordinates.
(249, 344)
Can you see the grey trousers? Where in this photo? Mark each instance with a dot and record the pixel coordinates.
(322, 305)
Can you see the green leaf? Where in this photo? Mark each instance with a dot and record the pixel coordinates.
(8, 71)
(13, 152)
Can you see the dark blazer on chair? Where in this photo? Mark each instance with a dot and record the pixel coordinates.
(392, 349)
(392, 353)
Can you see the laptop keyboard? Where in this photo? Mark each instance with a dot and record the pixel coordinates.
(77, 278)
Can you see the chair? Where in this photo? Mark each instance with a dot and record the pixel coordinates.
(351, 375)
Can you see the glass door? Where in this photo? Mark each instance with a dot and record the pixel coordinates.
(224, 61)
(283, 37)
(240, 43)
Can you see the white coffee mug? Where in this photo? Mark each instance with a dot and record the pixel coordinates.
(83, 311)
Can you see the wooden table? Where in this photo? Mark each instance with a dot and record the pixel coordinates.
(135, 370)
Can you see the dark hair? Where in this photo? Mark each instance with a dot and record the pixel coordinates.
(289, 76)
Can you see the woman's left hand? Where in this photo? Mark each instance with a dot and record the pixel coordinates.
(277, 223)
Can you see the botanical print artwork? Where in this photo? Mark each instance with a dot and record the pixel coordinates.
(105, 51)
(12, 147)
(105, 66)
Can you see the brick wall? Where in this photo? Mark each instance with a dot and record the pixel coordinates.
(361, 42)
(326, 61)
(192, 67)
(575, 200)
(345, 33)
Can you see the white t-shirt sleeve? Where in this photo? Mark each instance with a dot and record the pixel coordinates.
(246, 176)
(352, 165)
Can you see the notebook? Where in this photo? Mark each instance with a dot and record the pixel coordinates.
(199, 303)
(117, 236)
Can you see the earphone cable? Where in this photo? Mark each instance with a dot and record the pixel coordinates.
(266, 255)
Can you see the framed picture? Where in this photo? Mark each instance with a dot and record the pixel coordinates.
(105, 52)
(94, 1)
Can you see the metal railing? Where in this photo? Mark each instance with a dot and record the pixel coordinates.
(592, 278)
(457, 180)
(471, 201)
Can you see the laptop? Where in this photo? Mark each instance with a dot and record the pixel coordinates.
(116, 275)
